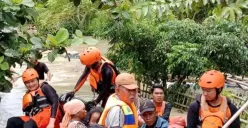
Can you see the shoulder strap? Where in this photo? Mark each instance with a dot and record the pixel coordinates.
(43, 83)
(117, 72)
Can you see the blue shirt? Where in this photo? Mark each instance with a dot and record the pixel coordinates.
(161, 123)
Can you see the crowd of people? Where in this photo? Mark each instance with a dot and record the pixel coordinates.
(116, 105)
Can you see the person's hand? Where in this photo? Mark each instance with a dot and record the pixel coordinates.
(50, 125)
(66, 97)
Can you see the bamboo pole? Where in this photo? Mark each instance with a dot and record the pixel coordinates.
(236, 115)
(236, 81)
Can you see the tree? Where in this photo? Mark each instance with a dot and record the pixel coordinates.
(64, 15)
(14, 46)
(17, 45)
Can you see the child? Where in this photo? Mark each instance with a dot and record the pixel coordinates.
(74, 113)
(94, 115)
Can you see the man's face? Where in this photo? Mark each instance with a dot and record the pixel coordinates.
(34, 61)
(158, 95)
(149, 117)
(126, 95)
(209, 93)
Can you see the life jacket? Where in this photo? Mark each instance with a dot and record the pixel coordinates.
(214, 117)
(130, 112)
(160, 109)
(96, 76)
(35, 98)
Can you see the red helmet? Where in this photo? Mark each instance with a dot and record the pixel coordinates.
(29, 74)
(90, 55)
(212, 79)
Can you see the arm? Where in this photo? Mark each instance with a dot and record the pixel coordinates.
(115, 118)
(107, 75)
(46, 70)
(236, 122)
(82, 79)
(192, 116)
(53, 99)
(167, 111)
(49, 75)
(140, 120)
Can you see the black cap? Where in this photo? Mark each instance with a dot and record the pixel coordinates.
(147, 106)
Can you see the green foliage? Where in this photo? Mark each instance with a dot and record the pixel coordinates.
(186, 59)
(13, 46)
(139, 50)
(197, 10)
(56, 14)
(17, 45)
(213, 44)
(61, 40)
(79, 39)
(179, 47)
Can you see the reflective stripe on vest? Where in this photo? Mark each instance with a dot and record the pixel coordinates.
(41, 99)
(130, 112)
(96, 76)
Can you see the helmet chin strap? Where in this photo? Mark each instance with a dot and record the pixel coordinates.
(218, 91)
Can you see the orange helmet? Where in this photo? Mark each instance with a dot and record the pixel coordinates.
(212, 79)
(90, 55)
(29, 74)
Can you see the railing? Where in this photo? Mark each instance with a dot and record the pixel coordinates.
(181, 99)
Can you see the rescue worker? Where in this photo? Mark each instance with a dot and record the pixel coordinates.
(40, 104)
(150, 116)
(211, 109)
(102, 73)
(41, 69)
(120, 111)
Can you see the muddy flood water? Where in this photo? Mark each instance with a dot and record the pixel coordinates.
(65, 76)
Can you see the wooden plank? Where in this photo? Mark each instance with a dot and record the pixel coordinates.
(239, 82)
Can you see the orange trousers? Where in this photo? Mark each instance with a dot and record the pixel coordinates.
(42, 118)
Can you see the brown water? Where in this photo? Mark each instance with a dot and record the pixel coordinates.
(65, 76)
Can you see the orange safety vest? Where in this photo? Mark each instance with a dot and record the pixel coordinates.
(160, 109)
(40, 99)
(130, 112)
(207, 113)
(96, 77)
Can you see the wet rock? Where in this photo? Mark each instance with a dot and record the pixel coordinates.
(72, 55)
